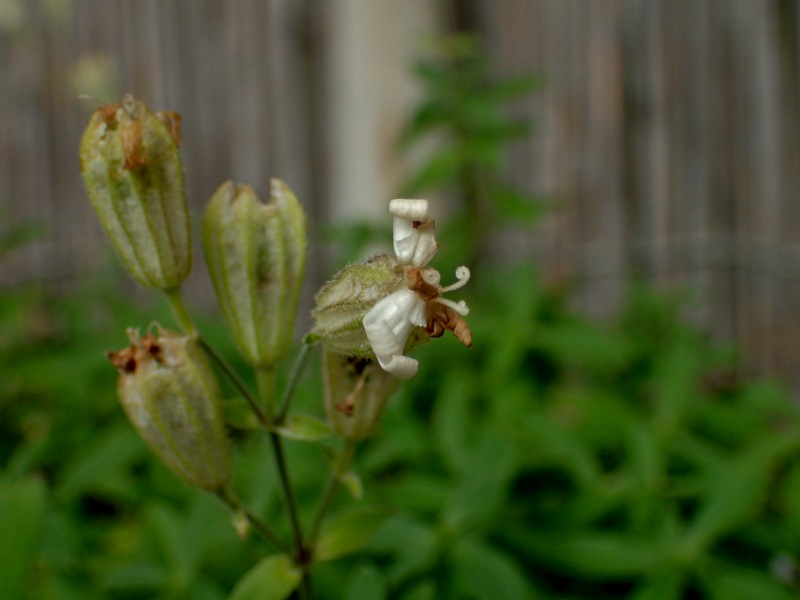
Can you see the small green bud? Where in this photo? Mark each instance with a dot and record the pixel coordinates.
(356, 393)
(343, 302)
(172, 397)
(133, 175)
(256, 256)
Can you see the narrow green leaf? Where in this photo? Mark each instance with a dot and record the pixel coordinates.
(352, 483)
(347, 533)
(274, 578)
(664, 586)
(452, 417)
(239, 415)
(412, 544)
(102, 466)
(481, 490)
(592, 554)
(426, 590)
(305, 428)
(729, 582)
(366, 582)
(144, 578)
(22, 509)
(736, 492)
(484, 573)
(166, 526)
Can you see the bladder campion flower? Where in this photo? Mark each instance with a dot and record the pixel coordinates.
(371, 309)
(419, 301)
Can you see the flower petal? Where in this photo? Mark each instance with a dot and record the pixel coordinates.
(388, 325)
(400, 366)
(414, 234)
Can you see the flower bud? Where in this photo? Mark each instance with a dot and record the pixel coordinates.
(171, 396)
(133, 175)
(256, 256)
(356, 392)
(343, 302)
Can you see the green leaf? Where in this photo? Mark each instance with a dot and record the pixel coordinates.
(425, 590)
(304, 428)
(366, 582)
(481, 490)
(274, 578)
(22, 510)
(347, 533)
(352, 483)
(167, 530)
(103, 465)
(239, 415)
(592, 554)
(441, 169)
(664, 586)
(517, 207)
(484, 573)
(412, 544)
(729, 582)
(736, 492)
(139, 577)
(451, 419)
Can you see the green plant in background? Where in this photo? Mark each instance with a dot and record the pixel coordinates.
(465, 112)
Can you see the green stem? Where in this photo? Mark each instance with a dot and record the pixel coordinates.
(266, 386)
(291, 384)
(229, 498)
(179, 311)
(265, 376)
(237, 382)
(329, 491)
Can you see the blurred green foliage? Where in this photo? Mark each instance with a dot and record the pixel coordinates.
(557, 458)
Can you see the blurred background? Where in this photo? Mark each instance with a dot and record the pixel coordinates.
(623, 175)
(665, 144)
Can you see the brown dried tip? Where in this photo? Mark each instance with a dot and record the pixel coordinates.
(128, 359)
(108, 113)
(172, 121)
(133, 145)
(124, 360)
(441, 318)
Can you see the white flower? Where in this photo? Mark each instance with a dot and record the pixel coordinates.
(418, 301)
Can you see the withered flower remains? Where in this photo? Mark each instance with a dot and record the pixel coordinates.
(372, 309)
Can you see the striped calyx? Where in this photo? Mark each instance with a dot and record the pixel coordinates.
(256, 255)
(133, 175)
(172, 398)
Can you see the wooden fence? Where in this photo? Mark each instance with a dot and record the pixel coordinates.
(668, 130)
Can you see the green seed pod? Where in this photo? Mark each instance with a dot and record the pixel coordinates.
(344, 300)
(356, 392)
(256, 257)
(133, 175)
(172, 397)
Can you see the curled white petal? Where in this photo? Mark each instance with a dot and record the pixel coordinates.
(400, 366)
(411, 210)
(388, 325)
(414, 234)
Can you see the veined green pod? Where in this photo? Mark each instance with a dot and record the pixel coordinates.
(172, 397)
(350, 294)
(356, 393)
(256, 256)
(132, 170)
